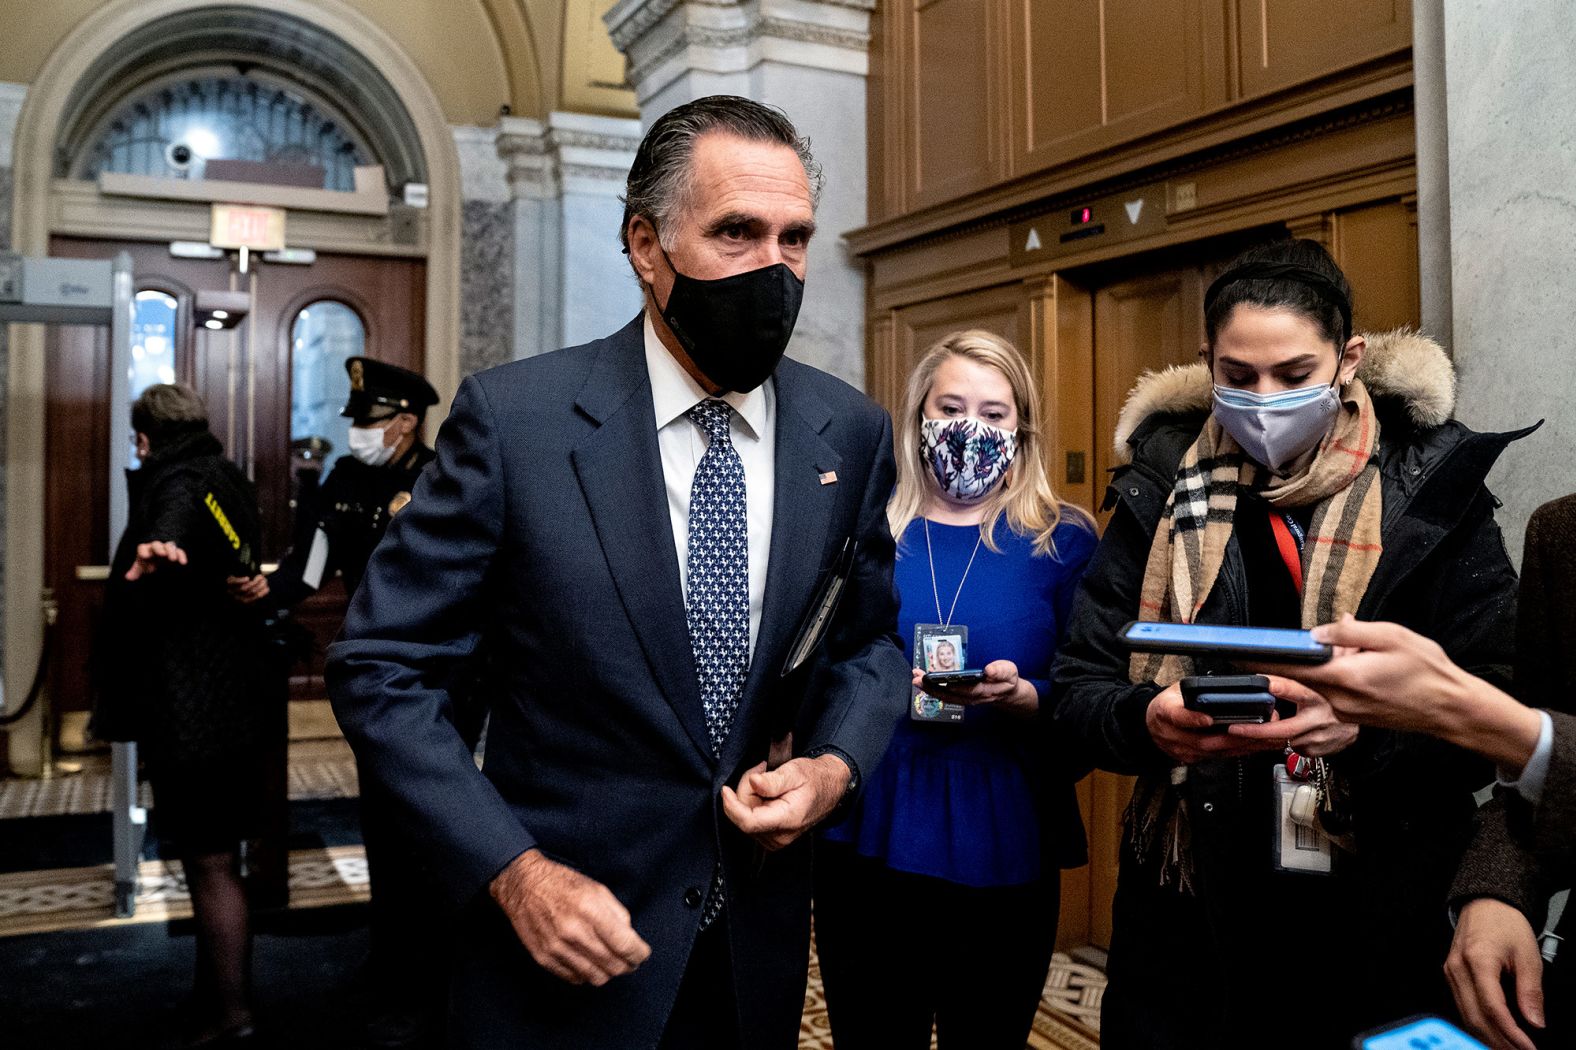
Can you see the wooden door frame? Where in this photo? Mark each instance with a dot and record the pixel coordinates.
(36, 215)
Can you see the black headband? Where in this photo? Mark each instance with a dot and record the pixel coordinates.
(1322, 286)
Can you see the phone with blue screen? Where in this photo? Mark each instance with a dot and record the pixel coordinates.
(1267, 644)
(1417, 1033)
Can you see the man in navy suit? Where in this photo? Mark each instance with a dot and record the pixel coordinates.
(640, 527)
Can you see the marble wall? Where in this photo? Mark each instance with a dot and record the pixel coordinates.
(831, 333)
(487, 294)
(572, 283)
(486, 286)
(599, 290)
(810, 58)
(1509, 84)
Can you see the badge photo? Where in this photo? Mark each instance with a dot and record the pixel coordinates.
(938, 647)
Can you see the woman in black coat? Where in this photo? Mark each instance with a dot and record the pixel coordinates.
(1303, 472)
(182, 669)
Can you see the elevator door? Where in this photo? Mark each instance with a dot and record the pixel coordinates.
(1147, 313)
(246, 379)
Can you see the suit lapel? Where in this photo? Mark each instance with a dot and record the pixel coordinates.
(801, 517)
(620, 472)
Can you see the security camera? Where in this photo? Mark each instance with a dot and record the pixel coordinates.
(179, 155)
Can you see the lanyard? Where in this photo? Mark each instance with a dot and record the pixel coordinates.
(961, 582)
(1289, 539)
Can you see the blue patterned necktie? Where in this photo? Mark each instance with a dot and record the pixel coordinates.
(718, 602)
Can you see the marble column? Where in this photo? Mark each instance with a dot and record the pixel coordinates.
(1509, 220)
(487, 302)
(565, 175)
(808, 57)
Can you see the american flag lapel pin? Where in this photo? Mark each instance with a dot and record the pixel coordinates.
(829, 477)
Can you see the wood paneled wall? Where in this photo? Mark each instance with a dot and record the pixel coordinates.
(974, 93)
(1248, 119)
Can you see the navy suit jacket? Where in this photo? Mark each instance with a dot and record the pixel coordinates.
(543, 526)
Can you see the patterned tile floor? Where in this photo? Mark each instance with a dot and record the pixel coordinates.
(318, 769)
(83, 898)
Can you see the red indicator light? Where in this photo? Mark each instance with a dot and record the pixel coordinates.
(1081, 216)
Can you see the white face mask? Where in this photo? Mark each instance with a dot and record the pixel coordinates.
(366, 444)
(1275, 429)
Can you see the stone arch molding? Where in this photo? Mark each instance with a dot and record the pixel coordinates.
(251, 39)
(77, 62)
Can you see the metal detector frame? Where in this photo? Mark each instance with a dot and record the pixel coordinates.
(77, 305)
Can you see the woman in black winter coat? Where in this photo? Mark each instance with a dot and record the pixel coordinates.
(182, 669)
(1301, 473)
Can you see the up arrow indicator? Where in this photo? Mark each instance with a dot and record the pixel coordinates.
(1033, 243)
(1134, 210)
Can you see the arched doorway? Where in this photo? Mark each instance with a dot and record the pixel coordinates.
(158, 89)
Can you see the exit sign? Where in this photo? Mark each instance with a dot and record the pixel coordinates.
(248, 226)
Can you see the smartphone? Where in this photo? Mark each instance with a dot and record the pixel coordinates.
(1417, 1033)
(1269, 644)
(1230, 698)
(952, 679)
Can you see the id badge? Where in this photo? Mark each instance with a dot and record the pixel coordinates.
(1298, 846)
(938, 647)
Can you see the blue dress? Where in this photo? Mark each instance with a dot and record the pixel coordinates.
(961, 801)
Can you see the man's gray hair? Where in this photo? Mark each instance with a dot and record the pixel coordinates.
(660, 178)
(166, 409)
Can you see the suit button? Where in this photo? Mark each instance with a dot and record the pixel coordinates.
(693, 898)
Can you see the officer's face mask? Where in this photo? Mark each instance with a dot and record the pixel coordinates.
(366, 444)
(735, 329)
(967, 456)
(1276, 429)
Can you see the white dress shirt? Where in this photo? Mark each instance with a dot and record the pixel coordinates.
(1529, 782)
(682, 443)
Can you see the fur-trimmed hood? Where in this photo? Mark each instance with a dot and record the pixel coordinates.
(1401, 365)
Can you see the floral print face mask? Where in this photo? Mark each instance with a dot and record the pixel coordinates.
(968, 456)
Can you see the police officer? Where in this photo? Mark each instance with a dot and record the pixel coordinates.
(406, 982)
(366, 488)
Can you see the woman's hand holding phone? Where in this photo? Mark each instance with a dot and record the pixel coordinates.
(1002, 688)
(1314, 730)
(1191, 737)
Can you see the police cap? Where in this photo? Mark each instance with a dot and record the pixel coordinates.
(379, 390)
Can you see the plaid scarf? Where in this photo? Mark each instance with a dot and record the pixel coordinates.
(1189, 546)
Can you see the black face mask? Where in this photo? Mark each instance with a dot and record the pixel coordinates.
(735, 328)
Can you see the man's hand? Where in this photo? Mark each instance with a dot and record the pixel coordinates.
(1386, 675)
(1314, 730)
(1001, 688)
(572, 925)
(1493, 939)
(150, 555)
(247, 589)
(1189, 736)
(776, 806)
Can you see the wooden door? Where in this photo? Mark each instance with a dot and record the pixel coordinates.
(903, 335)
(1141, 324)
(244, 378)
(1146, 313)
